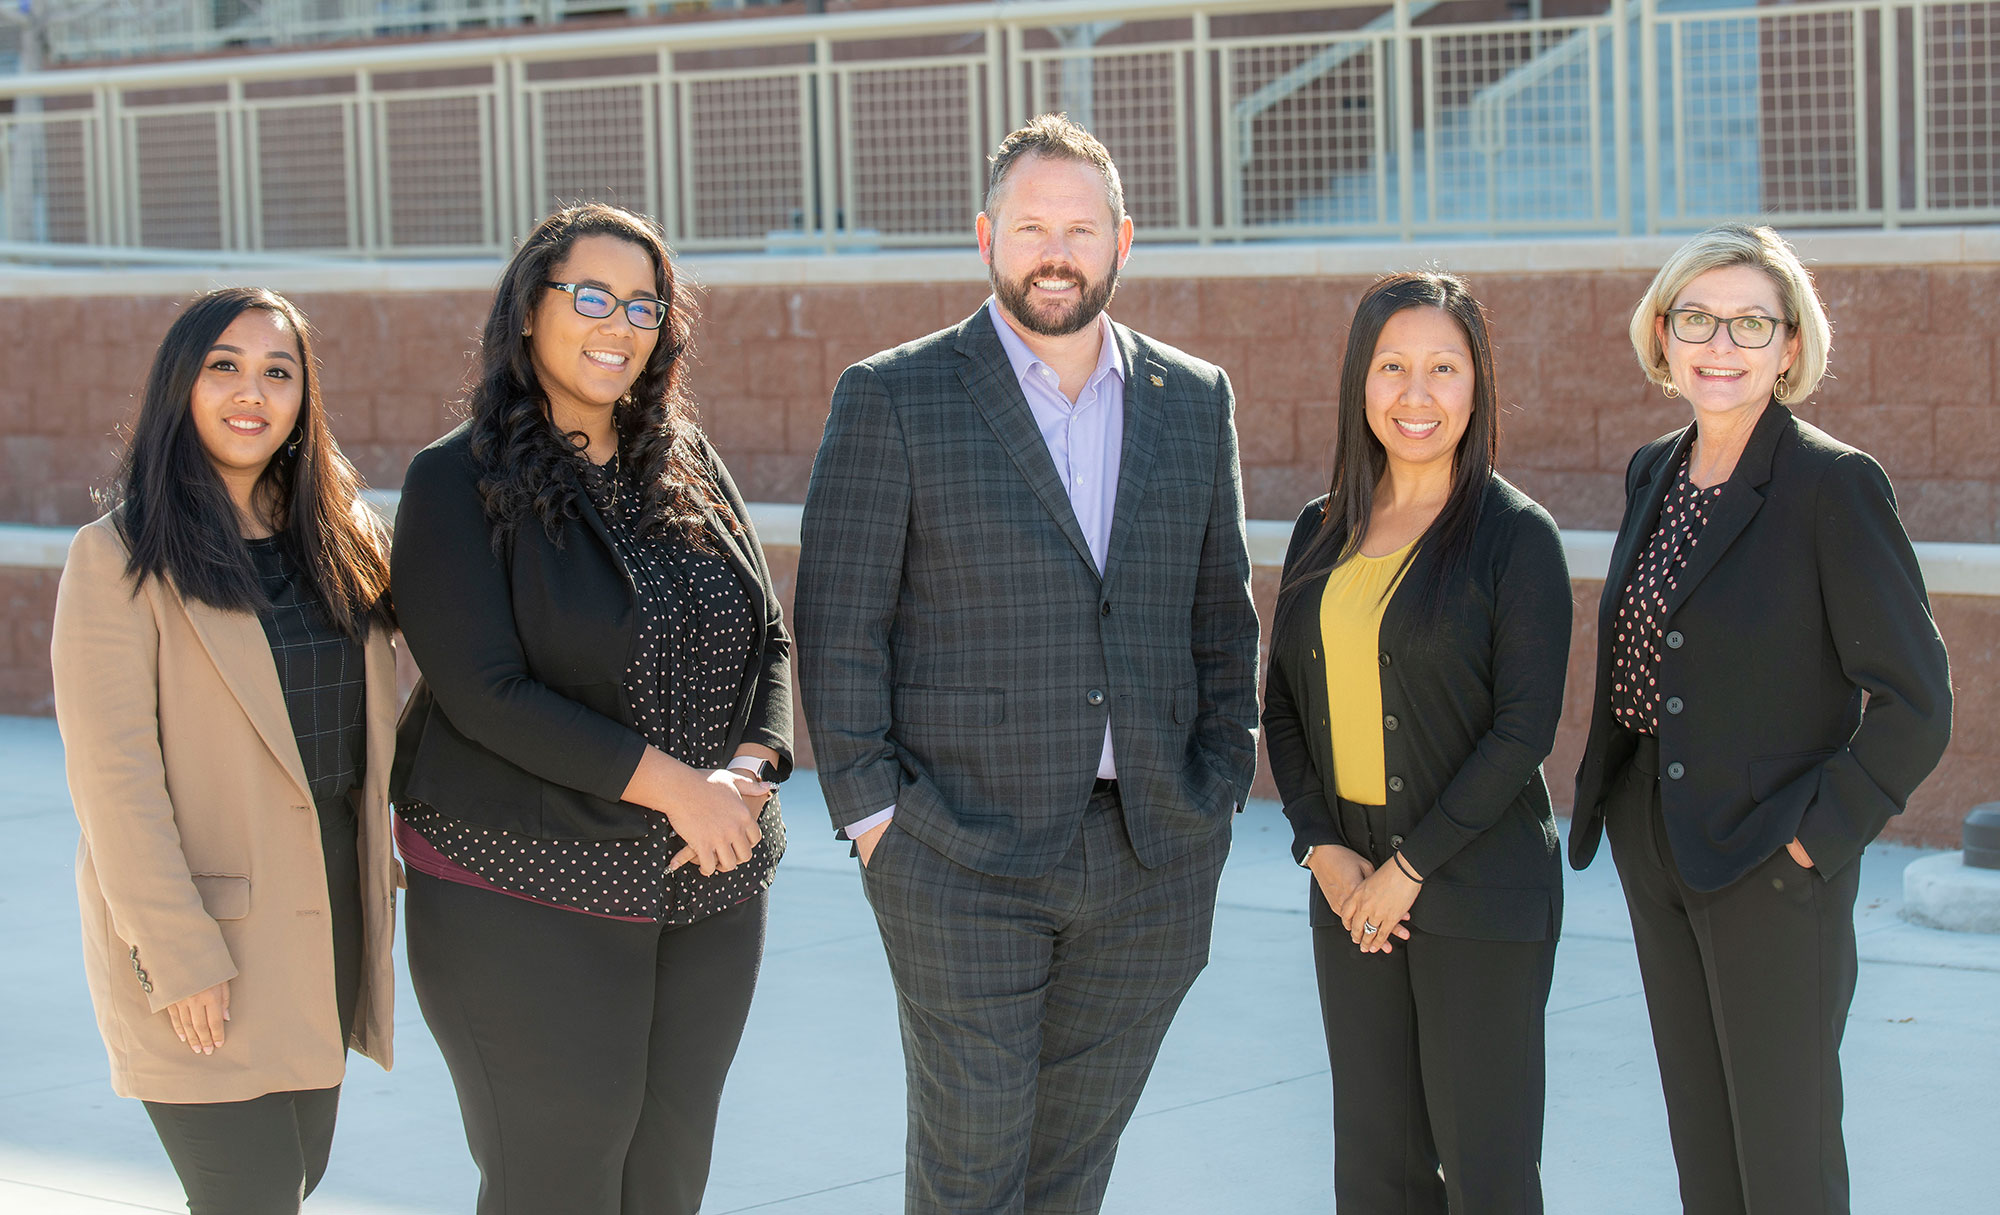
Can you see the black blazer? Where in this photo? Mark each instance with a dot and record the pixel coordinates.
(1802, 594)
(520, 722)
(1475, 698)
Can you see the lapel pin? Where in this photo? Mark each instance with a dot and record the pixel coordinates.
(1157, 381)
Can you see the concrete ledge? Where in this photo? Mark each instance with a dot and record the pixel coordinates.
(185, 273)
(1943, 892)
(1949, 569)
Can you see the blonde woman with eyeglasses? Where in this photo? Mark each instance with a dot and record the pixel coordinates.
(1770, 690)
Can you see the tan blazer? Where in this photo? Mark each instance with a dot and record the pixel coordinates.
(200, 858)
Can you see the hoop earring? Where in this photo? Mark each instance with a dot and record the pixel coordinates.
(1783, 388)
(292, 444)
(1669, 389)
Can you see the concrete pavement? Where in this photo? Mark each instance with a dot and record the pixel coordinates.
(1235, 1120)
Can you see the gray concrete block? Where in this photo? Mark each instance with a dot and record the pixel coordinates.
(1941, 891)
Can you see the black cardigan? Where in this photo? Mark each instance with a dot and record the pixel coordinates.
(520, 721)
(1476, 697)
(1801, 594)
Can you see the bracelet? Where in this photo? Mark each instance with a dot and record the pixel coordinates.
(1405, 867)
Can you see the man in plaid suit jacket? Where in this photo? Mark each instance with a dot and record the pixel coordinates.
(1028, 653)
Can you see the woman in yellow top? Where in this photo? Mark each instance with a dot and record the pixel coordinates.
(1417, 665)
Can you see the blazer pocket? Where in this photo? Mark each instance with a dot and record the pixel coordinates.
(927, 706)
(1186, 700)
(224, 896)
(1771, 773)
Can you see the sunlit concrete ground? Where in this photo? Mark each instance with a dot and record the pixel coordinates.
(1235, 1120)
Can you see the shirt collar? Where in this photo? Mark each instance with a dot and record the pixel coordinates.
(1110, 359)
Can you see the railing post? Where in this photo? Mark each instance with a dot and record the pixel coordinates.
(829, 205)
(1204, 130)
(1892, 116)
(368, 201)
(1649, 109)
(1403, 100)
(1621, 116)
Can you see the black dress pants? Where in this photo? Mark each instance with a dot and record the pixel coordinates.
(588, 1053)
(1439, 1072)
(264, 1155)
(1748, 989)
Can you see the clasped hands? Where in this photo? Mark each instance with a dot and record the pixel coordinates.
(713, 810)
(1361, 895)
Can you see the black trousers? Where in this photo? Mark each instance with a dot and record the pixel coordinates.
(1032, 1010)
(588, 1053)
(1748, 989)
(264, 1155)
(1439, 1072)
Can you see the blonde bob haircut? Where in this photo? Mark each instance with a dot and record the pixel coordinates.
(1740, 245)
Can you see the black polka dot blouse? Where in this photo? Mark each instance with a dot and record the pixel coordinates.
(1635, 649)
(696, 630)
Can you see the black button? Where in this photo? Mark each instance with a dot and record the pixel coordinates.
(1395, 784)
(1673, 704)
(1395, 841)
(1390, 722)
(1094, 696)
(1383, 657)
(1104, 609)
(1675, 771)
(1674, 640)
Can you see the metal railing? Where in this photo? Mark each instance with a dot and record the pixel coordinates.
(75, 31)
(1231, 120)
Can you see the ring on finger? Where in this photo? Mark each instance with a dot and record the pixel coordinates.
(1368, 929)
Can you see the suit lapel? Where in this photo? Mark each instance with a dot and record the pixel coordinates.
(1647, 498)
(1742, 497)
(1142, 427)
(989, 380)
(236, 644)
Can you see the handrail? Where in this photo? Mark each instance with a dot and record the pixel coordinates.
(869, 130)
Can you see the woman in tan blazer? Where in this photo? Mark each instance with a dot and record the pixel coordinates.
(227, 693)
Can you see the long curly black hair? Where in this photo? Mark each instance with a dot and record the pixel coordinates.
(530, 468)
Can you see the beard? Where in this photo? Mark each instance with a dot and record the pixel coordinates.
(1092, 297)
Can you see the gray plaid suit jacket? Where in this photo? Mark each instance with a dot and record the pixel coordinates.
(959, 653)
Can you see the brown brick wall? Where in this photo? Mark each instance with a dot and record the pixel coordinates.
(1914, 363)
(1969, 775)
(1914, 370)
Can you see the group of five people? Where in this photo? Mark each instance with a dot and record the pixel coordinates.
(1029, 657)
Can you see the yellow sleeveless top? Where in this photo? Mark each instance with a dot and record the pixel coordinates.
(1350, 630)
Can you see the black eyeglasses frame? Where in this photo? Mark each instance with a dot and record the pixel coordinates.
(1728, 324)
(576, 301)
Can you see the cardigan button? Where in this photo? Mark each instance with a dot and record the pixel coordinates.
(1676, 770)
(1395, 841)
(1383, 657)
(1094, 697)
(1673, 704)
(1395, 784)
(1674, 640)
(1390, 723)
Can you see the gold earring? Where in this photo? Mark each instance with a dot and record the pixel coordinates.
(1670, 390)
(1783, 387)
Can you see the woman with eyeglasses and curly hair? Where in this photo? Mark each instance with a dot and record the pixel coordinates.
(584, 776)
(1770, 690)
(227, 697)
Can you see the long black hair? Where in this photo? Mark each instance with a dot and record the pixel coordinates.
(1359, 458)
(527, 466)
(177, 517)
